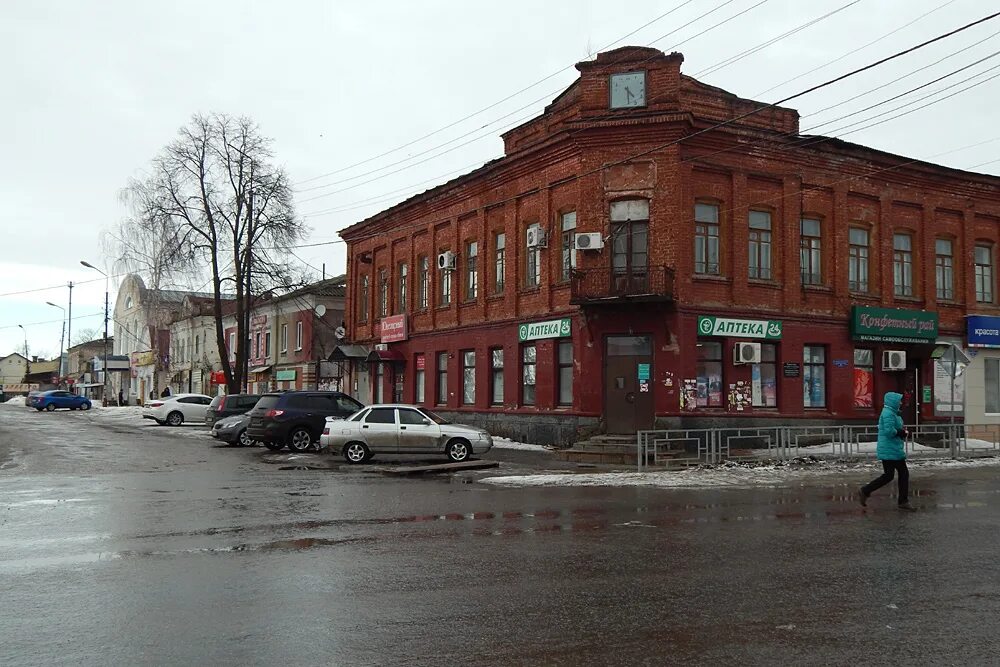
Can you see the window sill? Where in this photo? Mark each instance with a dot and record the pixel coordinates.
(298, 349)
(711, 278)
(495, 297)
(865, 296)
(468, 302)
(907, 299)
(531, 290)
(446, 306)
(766, 284)
(819, 289)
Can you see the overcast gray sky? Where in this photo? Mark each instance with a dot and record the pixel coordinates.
(95, 89)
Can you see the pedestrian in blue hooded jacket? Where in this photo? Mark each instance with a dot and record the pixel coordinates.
(890, 452)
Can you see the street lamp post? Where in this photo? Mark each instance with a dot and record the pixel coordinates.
(62, 371)
(25, 341)
(104, 366)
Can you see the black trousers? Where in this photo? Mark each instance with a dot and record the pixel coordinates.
(889, 469)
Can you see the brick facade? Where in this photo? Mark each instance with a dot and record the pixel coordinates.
(582, 157)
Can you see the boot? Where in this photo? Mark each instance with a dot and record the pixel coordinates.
(863, 497)
(907, 507)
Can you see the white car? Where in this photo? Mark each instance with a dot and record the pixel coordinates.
(177, 409)
(401, 429)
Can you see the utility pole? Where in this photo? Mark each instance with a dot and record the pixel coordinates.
(63, 369)
(104, 366)
(69, 325)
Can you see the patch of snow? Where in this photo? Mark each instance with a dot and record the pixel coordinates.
(730, 474)
(17, 400)
(507, 443)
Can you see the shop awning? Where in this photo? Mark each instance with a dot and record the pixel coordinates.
(345, 352)
(386, 356)
(260, 369)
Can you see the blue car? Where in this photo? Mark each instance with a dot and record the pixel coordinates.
(50, 400)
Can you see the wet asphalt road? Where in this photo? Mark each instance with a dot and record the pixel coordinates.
(126, 543)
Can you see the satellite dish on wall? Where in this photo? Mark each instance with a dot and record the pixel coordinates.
(340, 332)
(321, 310)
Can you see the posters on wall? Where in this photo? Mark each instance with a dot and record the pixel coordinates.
(864, 387)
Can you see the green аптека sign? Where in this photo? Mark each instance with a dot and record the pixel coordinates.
(893, 325)
(726, 326)
(548, 329)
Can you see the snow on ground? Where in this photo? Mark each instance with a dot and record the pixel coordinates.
(507, 443)
(726, 475)
(114, 412)
(17, 400)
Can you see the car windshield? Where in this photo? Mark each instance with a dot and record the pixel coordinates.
(436, 418)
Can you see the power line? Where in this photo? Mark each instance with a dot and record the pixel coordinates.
(739, 117)
(497, 103)
(62, 319)
(60, 286)
(492, 133)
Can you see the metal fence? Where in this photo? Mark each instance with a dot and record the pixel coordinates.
(709, 446)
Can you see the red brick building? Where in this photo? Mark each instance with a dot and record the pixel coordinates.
(745, 243)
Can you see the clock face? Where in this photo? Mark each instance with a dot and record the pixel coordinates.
(628, 90)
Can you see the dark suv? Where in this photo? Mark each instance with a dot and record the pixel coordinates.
(297, 418)
(229, 405)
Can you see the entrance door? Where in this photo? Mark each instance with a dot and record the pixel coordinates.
(628, 402)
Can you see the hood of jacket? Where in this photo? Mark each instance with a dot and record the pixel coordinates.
(893, 400)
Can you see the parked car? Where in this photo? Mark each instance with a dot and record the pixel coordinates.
(57, 398)
(233, 429)
(228, 405)
(402, 429)
(177, 409)
(297, 418)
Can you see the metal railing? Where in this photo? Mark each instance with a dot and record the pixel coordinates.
(650, 283)
(710, 446)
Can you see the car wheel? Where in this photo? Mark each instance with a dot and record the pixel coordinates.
(356, 452)
(175, 418)
(244, 440)
(85, 406)
(72, 408)
(50, 407)
(300, 440)
(38, 409)
(459, 450)
(274, 446)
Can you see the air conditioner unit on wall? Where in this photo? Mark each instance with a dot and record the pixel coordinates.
(537, 238)
(746, 353)
(588, 241)
(894, 360)
(446, 261)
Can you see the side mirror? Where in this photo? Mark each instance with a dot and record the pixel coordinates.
(425, 421)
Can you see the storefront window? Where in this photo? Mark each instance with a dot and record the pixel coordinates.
(864, 378)
(566, 373)
(496, 362)
(468, 377)
(528, 374)
(992, 378)
(709, 373)
(764, 378)
(420, 382)
(813, 376)
(442, 378)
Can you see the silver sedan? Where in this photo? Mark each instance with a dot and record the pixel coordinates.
(401, 429)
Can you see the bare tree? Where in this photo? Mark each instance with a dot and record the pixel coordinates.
(85, 335)
(213, 197)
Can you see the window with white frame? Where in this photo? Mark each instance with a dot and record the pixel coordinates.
(533, 261)
(568, 243)
(423, 282)
(857, 260)
(298, 335)
(902, 264)
(499, 261)
(706, 239)
(401, 297)
(471, 270)
(760, 245)
(984, 273)
(284, 338)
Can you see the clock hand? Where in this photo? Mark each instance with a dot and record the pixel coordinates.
(628, 94)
